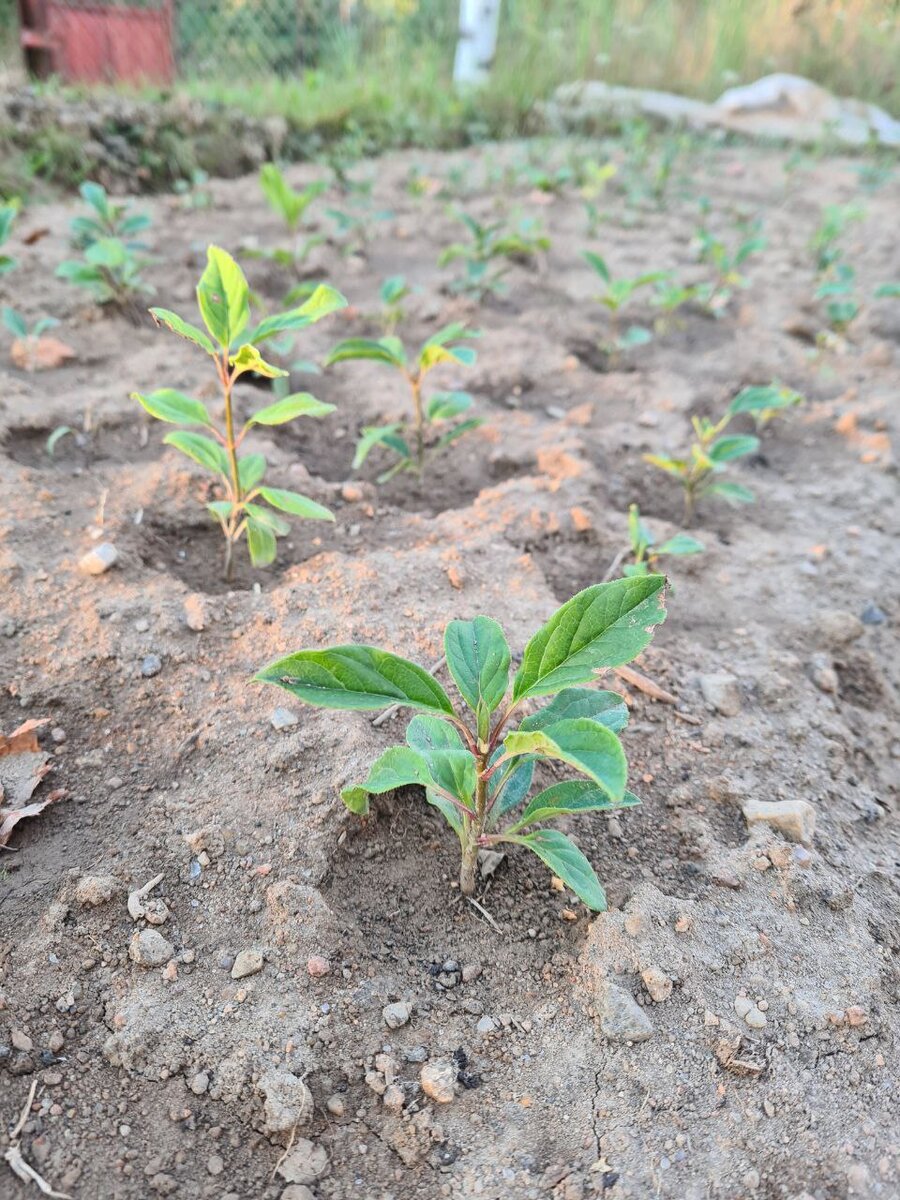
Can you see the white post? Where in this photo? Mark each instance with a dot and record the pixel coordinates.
(478, 21)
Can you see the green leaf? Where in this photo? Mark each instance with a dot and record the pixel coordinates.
(56, 436)
(443, 406)
(300, 404)
(269, 520)
(261, 543)
(360, 678)
(681, 544)
(433, 353)
(224, 297)
(248, 358)
(162, 316)
(565, 860)
(396, 768)
(457, 432)
(728, 448)
(221, 510)
(733, 493)
(603, 626)
(14, 322)
(448, 811)
(478, 659)
(321, 303)
(572, 796)
(672, 466)
(451, 765)
(357, 800)
(96, 196)
(386, 350)
(251, 469)
(166, 404)
(599, 265)
(202, 450)
(297, 505)
(606, 707)
(584, 744)
(888, 290)
(372, 436)
(510, 788)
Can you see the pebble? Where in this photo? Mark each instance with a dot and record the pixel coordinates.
(335, 1105)
(94, 890)
(215, 1164)
(873, 615)
(796, 819)
(150, 949)
(486, 1025)
(297, 1191)
(283, 718)
(657, 983)
(823, 674)
(438, 1080)
(722, 692)
(316, 966)
(838, 628)
(21, 1041)
(151, 665)
(755, 1018)
(195, 612)
(288, 1103)
(99, 560)
(304, 1164)
(418, 1054)
(397, 1014)
(199, 1083)
(394, 1097)
(247, 962)
(621, 1018)
(471, 972)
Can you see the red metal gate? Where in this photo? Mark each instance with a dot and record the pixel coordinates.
(87, 42)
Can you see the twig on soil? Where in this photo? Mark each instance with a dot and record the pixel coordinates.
(645, 685)
(614, 565)
(389, 712)
(189, 742)
(484, 912)
(136, 909)
(688, 717)
(13, 1155)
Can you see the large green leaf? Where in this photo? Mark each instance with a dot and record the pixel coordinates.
(728, 448)
(251, 469)
(202, 450)
(734, 493)
(162, 316)
(261, 543)
(297, 505)
(301, 404)
(451, 765)
(168, 405)
(397, 767)
(478, 659)
(444, 406)
(604, 626)
(573, 796)
(448, 811)
(321, 303)
(268, 519)
(606, 707)
(565, 860)
(681, 544)
(361, 678)
(584, 744)
(387, 350)
(224, 297)
(507, 789)
(372, 436)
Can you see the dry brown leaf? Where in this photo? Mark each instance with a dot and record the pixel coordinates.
(22, 740)
(645, 685)
(22, 767)
(40, 353)
(35, 235)
(10, 817)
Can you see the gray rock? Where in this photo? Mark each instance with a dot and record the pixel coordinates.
(99, 560)
(288, 1104)
(150, 949)
(396, 1015)
(873, 615)
(621, 1019)
(94, 890)
(722, 691)
(796, 819)
(486, 1025)
(247, 962)
(837, 628)
(304, 1164)
(283, 718)
(151, 665)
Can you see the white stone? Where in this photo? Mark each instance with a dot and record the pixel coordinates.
(99, 560)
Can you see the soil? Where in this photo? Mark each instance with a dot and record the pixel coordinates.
(772, 1070)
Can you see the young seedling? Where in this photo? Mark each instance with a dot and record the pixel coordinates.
(476, 760)
(392, 293)
(669, 296)
(106, 220)
(27, 335)
(726, 263)
(887, 291)
(616, 295)
(111, 271)
(838, 290)
(353, 230)
(825, 242)
(708, 457)
(491, 252)
(423, 440)
(248, 507)
(289, 203)
(764, 403)
(195, 192)
(646, 554)
(8, 213)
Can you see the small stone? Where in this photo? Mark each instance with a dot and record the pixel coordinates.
(288, 1103)
(486, 1025)
(755, 1018)
(215, 1164)
(471, 972)
(247, 962)
(199, 1083)
(150, 949)
(722, 691)
(838, 628)
(195, 612)
(283, 718)
(397, 1014)
(418, 1054)
(823, 674)
(94, 890)
(335, 1105)
(621, 1018)
(58, 734)
(657, 983)
(438, 1080)
(99, 560)
(742, 1006)
(21, 1041)
(151, 665)
(856, 1016)
(394, 1098)
(873, 615)
(297, 1191)
(56, 1041)
(796, 819)
(316, 966)
(304, 1164)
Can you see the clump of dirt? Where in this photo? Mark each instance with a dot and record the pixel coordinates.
(303, 999)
